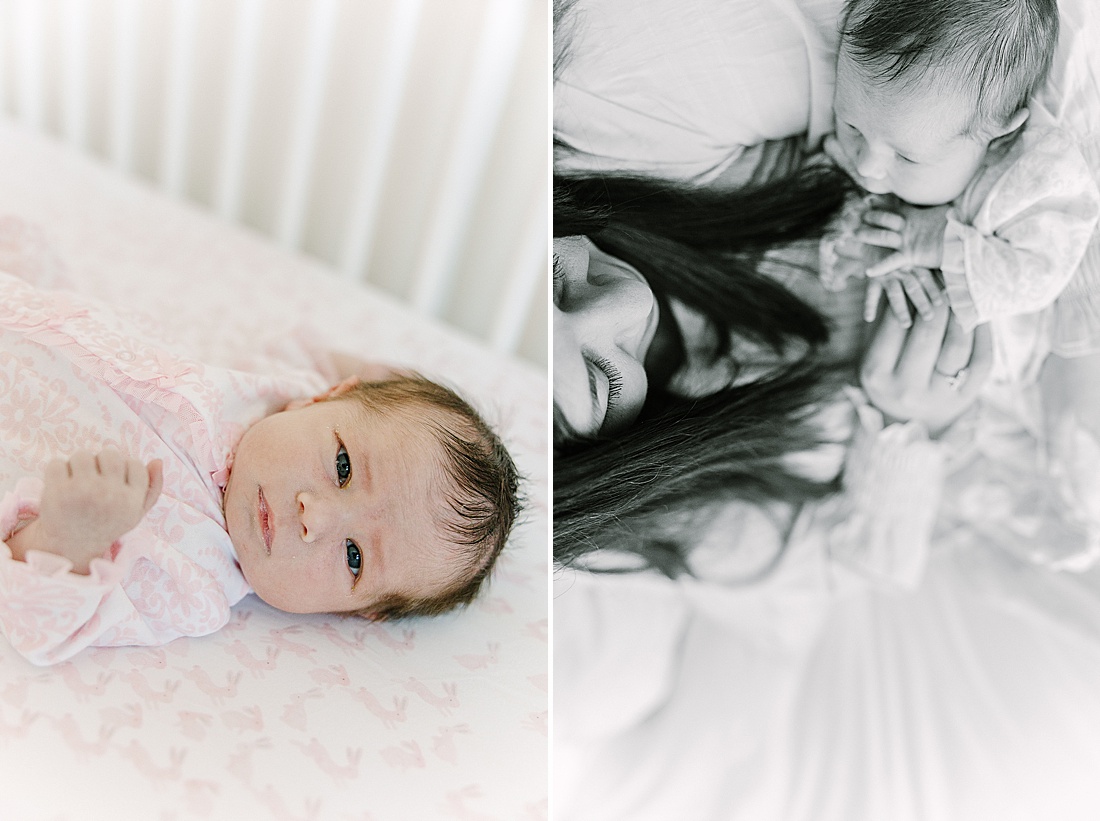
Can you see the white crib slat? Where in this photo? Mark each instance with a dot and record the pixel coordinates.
(360, 230)
(295, 195)
(123, 88)
(28, 54)
(75, 72)
(522, 284)
(246, 44)
(181, 74)
(497, 51)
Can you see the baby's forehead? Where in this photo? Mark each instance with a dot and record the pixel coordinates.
(405, 419)
(923, 109)
(409, 430)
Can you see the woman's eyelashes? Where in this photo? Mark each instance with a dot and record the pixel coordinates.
(614, 380)
(354, 557)
(343, 464)
(614, 384)
(559, 279)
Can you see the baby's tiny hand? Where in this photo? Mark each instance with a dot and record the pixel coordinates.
(915, 235)
(917, 283)
(91, 500)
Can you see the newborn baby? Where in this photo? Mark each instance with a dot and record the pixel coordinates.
(169, 489)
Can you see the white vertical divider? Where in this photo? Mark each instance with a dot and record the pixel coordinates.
(74, 112)
(521, 284)
(360, 230)
(181, 75)
(497, 51)
(238, 108)
(29, 62)
(303, 141)
(123, 87)
(5, 17)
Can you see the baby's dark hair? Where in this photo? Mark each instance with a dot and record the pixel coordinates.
(1000, 50)
(482, 502)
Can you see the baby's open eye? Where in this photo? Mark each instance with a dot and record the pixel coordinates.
(355, 558)
(343, 466)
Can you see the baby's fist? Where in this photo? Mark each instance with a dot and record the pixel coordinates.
(92, 500)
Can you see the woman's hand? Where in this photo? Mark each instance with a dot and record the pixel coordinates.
(88, 502)
(928, 373)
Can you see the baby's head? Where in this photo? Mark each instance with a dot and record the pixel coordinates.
(924, 86)
(382, 499)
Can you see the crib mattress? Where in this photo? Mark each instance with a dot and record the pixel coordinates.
(276, 716)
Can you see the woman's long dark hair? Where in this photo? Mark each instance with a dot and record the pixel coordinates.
(681, 455)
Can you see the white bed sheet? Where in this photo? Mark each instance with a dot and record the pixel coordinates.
(276, 716)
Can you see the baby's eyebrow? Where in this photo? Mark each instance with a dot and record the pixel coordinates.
(363, 474)
(376, 551)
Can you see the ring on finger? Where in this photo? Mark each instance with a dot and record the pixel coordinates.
(955, 380)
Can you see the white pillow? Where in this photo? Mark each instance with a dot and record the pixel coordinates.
(680, 88)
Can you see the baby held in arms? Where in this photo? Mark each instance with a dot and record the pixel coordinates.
(166, 490)
(975, 185)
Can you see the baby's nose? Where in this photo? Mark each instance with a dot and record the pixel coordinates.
(872, 164)
(310, 517)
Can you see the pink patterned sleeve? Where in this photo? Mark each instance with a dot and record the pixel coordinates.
(49, 614)
(1014, 240)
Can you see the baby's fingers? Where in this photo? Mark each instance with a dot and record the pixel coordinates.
(83, 465)
(111, 464)
(895, 295)
(880, 237)
(156, 484)
(930, 285)
(894, 262)
(916, 293)
(57, 471)
(889, 220)
(872, 299)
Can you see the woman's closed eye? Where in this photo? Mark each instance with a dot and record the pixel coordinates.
(602, 370)
(559, 279)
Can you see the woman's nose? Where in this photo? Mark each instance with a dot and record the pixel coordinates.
(617, 311)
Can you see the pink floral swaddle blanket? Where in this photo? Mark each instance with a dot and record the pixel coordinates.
(77, 374)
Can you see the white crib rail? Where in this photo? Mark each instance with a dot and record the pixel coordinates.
(401, 141)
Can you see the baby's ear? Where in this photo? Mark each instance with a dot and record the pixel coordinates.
(1014, 123)
(339, 389)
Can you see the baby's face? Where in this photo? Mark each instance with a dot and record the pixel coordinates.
(906, 141)
(330, 509)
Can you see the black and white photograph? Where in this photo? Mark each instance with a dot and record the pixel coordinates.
(826, 410)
